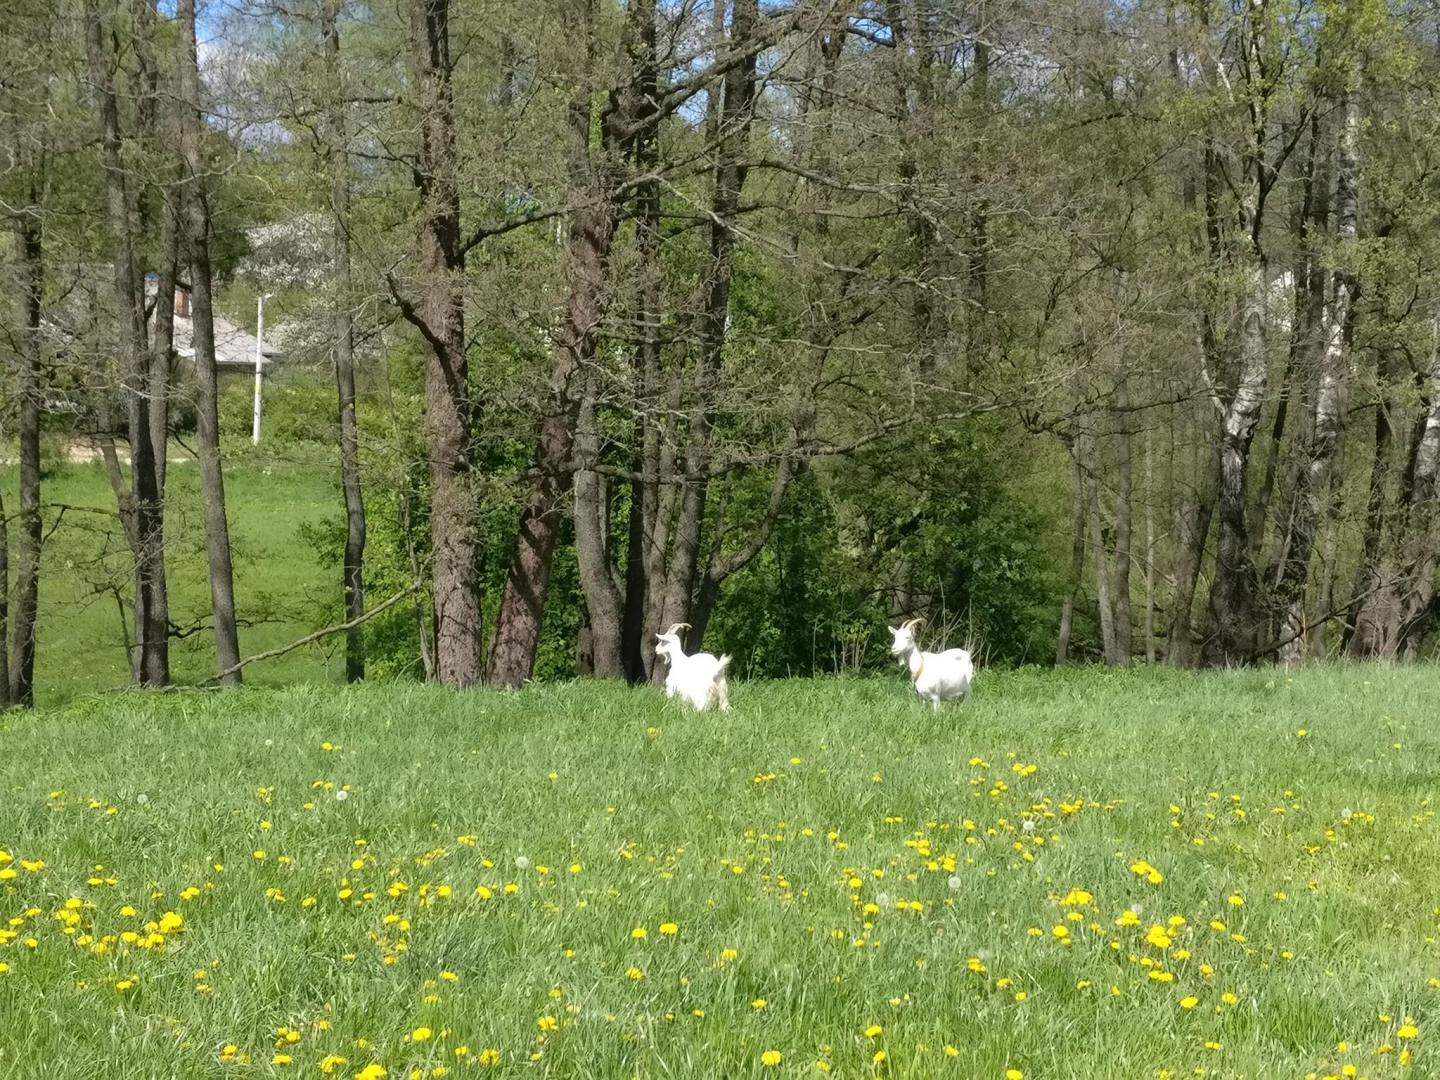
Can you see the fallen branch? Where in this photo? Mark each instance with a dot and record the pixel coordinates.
(270, 654)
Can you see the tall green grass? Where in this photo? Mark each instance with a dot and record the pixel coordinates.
(1001, 844)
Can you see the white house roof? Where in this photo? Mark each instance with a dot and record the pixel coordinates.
(234, 346)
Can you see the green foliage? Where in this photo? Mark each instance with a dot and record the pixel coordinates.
(936, 516)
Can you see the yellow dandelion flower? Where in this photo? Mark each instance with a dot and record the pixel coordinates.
(771, 1058)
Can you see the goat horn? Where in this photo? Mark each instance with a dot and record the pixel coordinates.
(907, 625)
(678, 626)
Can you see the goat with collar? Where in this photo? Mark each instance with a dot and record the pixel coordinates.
(937, 676)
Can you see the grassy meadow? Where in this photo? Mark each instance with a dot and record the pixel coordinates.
(1084, 874)
(282, 589)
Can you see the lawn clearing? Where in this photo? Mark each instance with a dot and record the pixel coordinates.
(1085, 874)
(282, 591)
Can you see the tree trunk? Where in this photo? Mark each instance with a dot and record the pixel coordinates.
(150, 660)
(162, 346)
(1150, 650)
(1313, 495)
(1194, 519)
(1233, 621)
(1307, 312)
(1120, 581)
(644, 493)
(1232, 618)
(4, 607)
(343, 347)
(1375, 514)
(592, 546)
(20, 679)
(154, 125)
(592, 230)
(449, 411)
(1397, 607)
(202, 313)
(1077, 557)
(1104, 609)
(669, 489)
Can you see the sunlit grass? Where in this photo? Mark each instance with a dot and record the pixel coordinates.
(1076, 875)
(282, 588)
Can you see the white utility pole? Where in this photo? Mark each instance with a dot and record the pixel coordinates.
(259, 362)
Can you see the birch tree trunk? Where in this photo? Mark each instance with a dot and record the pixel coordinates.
(1313, 495)
(1232, 626)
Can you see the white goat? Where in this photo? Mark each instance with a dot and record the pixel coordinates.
(699, 679)
(938, 676)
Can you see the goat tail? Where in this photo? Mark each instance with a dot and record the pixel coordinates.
(720, 668)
